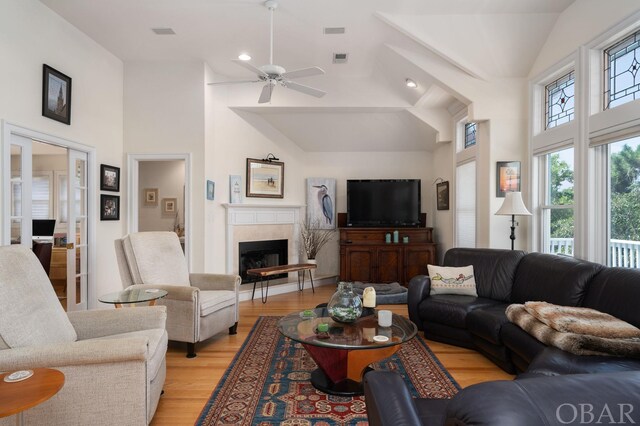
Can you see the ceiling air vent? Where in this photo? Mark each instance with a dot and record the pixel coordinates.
(334, 30)
(163, 31)
(340, 58)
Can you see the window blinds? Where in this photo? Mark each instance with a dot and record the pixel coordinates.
(466, 205)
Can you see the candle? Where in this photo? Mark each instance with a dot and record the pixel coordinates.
(369, 297)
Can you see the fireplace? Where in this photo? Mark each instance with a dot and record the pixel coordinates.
(261, 254)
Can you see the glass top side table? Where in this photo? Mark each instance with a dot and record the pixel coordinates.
(133, 297)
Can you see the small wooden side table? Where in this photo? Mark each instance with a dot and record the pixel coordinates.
(17, 397)
(281, 269)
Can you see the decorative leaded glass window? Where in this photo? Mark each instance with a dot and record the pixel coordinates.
(469, 135)
(559, 102)
(622, 81)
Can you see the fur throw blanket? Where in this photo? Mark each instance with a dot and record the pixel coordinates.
(587, 321)
(576, 330)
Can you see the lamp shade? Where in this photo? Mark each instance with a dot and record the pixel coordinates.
(513, 205)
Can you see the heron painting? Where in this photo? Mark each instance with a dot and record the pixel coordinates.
(321, 196)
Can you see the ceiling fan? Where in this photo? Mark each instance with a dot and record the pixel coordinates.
(273, 74)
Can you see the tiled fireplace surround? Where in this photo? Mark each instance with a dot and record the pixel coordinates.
(259, 222)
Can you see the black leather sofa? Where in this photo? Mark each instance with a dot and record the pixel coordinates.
(555, 387)
(504, 277)
(612, 398)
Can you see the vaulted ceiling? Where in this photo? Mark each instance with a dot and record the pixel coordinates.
(368, 106)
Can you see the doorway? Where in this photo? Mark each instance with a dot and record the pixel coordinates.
(46, 208)
(159, 195)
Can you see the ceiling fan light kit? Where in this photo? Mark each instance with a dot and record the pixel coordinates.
(273, 74)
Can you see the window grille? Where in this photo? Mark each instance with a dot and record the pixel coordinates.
(559, 100)
(621, 73)
(469, 135)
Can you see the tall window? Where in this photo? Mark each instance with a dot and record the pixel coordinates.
(557, 205)
(466, 205)
(622, 71)
(624, 203)
(41, 200)
(559, 101)
(469, 135)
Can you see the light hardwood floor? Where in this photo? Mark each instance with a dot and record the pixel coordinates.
(190, 382)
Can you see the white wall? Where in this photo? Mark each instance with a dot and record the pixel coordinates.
(238, 135)
(164, 114)
(579, 24)
(168, 178)
(32, 35)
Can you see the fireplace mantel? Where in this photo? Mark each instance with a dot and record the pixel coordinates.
(262, 214)
(242, 214)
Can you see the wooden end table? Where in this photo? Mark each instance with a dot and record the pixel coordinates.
(19, 396)
(277, 270)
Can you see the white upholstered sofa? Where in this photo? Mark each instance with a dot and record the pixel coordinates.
(199, 306)
(113, 360)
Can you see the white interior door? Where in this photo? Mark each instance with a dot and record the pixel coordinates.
(18, 173)
(77, 227)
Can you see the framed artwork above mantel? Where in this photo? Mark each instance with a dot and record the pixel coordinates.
(265, 178)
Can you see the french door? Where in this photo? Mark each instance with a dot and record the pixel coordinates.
(18, 218)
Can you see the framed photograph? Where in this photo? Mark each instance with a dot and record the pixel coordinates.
(109, 178)
(265, 179)
(56, 95)
(235, 189)
(442, 192)
(211, 187)
(109, 207)
(321, 196)
(507, 177)
(151, 196)
(169, 205)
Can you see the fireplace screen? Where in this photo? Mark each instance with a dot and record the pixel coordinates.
(261, 254)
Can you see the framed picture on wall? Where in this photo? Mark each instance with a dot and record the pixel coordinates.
(235, 189)
(265, 178)
(151, 196)
(56, 95)
(109, 178)
(109, 207)
(507, 177)
(211, 186)
(321, 195)
(442, 192)
(169, 205)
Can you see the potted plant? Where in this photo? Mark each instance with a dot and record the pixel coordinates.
(314, 238)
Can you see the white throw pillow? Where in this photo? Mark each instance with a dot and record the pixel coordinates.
(450, 280)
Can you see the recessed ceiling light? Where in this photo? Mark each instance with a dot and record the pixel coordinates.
(244, 57)
(411, 83)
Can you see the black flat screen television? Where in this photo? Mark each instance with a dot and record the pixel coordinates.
(383, 203)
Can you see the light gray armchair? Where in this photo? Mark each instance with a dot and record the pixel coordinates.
(113, 360)
(198, 305)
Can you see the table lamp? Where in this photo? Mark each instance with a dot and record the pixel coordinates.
(513, 206)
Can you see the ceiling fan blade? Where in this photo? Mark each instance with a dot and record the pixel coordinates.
(250, 67)
(265, 96)
(233, 82)
(304, 72)
(304, 89)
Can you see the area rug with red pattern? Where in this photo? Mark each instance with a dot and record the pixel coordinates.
(268, 384)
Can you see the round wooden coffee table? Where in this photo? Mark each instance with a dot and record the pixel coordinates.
(345, 354)
(19, 396)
